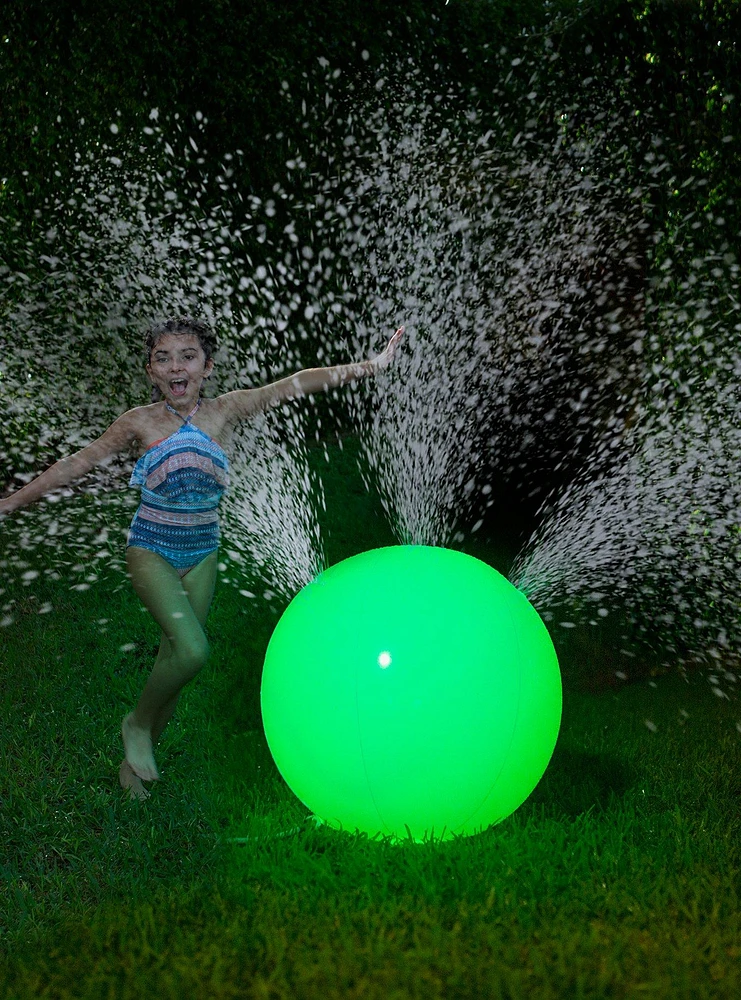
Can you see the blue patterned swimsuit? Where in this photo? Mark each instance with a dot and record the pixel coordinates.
(182, 478)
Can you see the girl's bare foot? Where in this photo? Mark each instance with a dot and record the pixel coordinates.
(138, 745)
(132, 781)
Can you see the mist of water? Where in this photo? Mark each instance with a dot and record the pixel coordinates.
(654, 531)
(486, 253)
(540, 316)
(121, 250)
(535, 293)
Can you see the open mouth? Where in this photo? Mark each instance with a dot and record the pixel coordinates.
(178, 386)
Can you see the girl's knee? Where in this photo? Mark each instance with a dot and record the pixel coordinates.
(193, 655)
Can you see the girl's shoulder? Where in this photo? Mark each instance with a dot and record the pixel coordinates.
(152, 422)
(146, 422)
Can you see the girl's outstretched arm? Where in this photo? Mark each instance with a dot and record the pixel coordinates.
(244, 403)
(119, 436)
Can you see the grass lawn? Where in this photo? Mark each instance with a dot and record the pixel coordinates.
(619, 877)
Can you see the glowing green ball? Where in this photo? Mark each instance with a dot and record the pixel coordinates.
(411, 687)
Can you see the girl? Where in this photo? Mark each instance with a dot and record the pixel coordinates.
(172, 544)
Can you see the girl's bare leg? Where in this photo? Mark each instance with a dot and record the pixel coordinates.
(180, 608)
(126, 776)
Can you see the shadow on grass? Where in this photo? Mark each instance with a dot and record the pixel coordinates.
(577, 781)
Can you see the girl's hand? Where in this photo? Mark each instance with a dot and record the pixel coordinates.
(384, 359)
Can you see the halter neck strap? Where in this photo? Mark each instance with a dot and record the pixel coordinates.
(184, 419)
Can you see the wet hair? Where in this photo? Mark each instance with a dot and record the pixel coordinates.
(180, 325)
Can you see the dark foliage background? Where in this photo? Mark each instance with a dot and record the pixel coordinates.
(658, 79)
(676, 63)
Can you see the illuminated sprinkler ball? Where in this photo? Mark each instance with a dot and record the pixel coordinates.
(411, 687)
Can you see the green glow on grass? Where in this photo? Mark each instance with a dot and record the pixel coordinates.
(411, 686)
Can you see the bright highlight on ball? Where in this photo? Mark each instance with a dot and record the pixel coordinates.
(411, 688)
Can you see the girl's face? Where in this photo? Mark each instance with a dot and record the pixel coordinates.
(177, 366)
